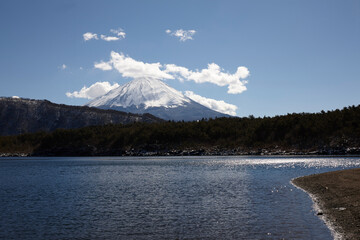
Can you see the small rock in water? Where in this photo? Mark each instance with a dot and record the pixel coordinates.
(319, 213)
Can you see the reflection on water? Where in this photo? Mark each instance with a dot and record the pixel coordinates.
(167, 198)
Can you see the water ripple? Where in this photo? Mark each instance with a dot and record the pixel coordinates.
(160, 198)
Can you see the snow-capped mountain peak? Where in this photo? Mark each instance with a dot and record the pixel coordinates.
(142, 92)
(155, 97)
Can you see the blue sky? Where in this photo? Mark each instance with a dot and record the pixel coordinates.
(303, 56)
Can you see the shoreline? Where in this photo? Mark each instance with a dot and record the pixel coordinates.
(92, 151)
(290, 154)
(6, 155)
(318, 209)
(336, 199)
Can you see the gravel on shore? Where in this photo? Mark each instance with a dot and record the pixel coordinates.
(338, 196)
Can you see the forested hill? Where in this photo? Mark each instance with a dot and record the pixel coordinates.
(332, 132)
(18, 115)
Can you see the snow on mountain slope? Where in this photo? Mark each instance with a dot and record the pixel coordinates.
(154, 97)
(151, 93)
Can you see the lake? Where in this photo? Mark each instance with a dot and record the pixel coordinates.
(161, 197)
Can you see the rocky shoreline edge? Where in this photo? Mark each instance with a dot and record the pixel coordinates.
(336, 196)
(93, 151)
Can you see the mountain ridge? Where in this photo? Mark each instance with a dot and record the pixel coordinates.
(20, 115)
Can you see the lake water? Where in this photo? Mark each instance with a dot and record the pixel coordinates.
(160, 198)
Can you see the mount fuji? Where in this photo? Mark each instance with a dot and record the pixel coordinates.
(155, 97)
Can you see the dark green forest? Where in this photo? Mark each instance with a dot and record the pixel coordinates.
(332, 132)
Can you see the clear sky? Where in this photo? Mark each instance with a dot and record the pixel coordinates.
(302, 55)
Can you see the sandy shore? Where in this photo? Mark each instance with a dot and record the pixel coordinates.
(337, 194)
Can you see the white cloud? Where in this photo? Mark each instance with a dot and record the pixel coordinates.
(63, 67)
(177, 71)
(109, 38)
(88, 36)
(129, 67)
(213, 74)
(105, 66)
(237, 87)
(119, 32)
(183, 35)
(96, 90)
(213, 104)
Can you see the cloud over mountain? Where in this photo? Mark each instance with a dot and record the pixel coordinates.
(219, 106)
(94, 91)
(213, 74)
(129, 67)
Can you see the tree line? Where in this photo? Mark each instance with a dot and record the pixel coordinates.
(301, 131)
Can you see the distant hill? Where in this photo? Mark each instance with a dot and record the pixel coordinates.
(19, 116)
(154, 97)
